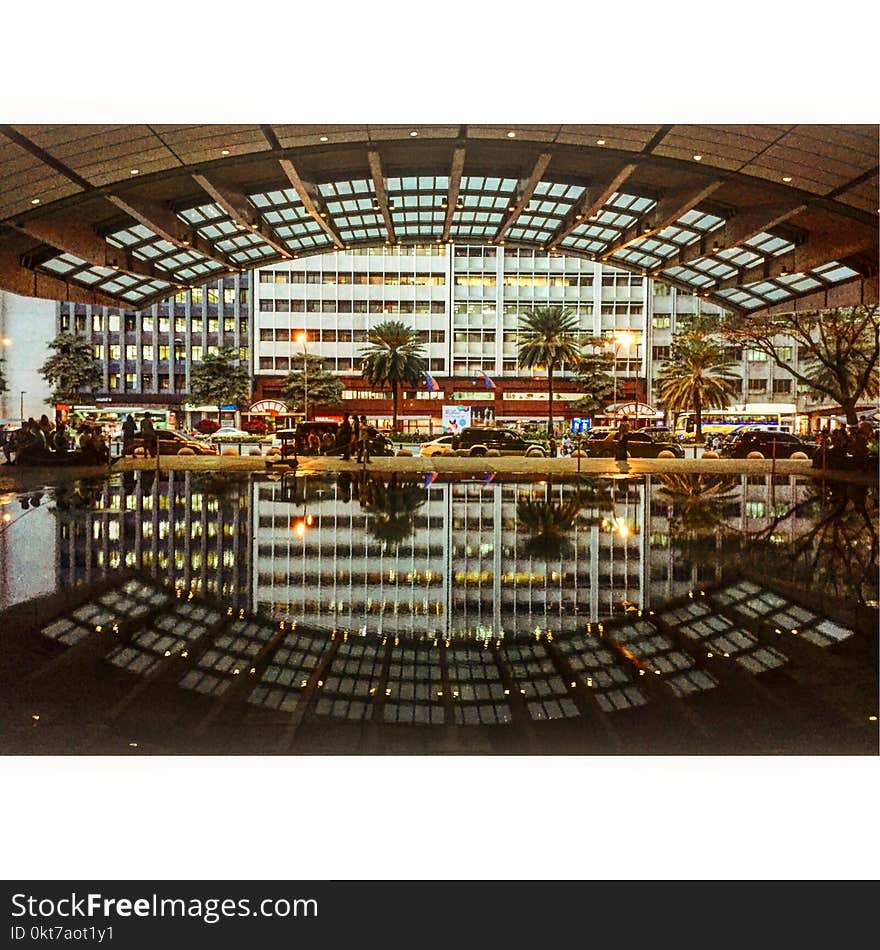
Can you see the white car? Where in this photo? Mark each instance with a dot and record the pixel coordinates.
(436, 447)
(228, 432)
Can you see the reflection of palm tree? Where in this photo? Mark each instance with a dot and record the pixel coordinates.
(550, 521)
(698, 505)
(392, 507)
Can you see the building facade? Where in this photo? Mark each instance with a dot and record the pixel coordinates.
(147, 357)
(465, 302)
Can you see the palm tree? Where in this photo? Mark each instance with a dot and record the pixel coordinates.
(697, 376)
(549, 336)
(393, 356)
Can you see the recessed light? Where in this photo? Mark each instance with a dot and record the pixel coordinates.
(35, 201)
(786, 178)
(413, 134)
(135, 171)
(323, 138)
(698, 158)
(600, 141)
(224, 151)
(511, 135)
(579, 217)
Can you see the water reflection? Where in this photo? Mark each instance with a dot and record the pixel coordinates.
(434, 559)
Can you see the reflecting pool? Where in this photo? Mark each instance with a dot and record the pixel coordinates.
(342, 613)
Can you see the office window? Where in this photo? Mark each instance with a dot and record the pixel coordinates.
(781, 386)
(213, 295)
(131, 380)
(114, 322)
(197, 294)
(756, 356)
(229, 296)
(98, 351)
(115, 351)
(148, 352)
(757, 385)
(785, 353)
(147, 324)
(164, 351)
(660, 352)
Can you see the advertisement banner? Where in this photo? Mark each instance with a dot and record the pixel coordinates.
(456, 418)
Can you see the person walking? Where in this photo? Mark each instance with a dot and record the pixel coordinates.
(621, 440)
(365, 434)
(129, 431)
(148, 434)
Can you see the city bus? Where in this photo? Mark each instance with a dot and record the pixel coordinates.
(724, 421)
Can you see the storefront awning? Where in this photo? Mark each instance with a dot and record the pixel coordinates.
(632, 410)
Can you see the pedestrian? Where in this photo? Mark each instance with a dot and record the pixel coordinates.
(148, 434)
(313, 443)
(621, 440)
(129, 431)
(346, 433)
(365, 434)
(60, 439)
(328, 442)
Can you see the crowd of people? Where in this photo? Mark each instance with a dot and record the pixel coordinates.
(850, 448)
(46, 443)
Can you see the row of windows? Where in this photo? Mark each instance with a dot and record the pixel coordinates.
(415, 279)
(524, 280)
(114, 352)
(148, 324)
(339, 365)
(325, 335)
(269, 305)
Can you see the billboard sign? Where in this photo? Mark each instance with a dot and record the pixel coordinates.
(456, 418)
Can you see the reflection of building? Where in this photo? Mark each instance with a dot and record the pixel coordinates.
(462, 568)
(183, 526)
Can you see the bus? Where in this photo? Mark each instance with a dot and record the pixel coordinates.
(724, 421)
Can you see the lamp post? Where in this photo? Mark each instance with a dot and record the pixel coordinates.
(303, 338)
(21, 396)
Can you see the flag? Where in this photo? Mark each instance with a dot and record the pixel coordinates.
(490, 477)
(489, 383)
(430, 478)
(431, 383)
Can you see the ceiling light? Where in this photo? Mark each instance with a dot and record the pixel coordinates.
(511, 135)
(716, 247)
(698, 158)
(578, 217)
(786, 178)
(413, 134)
(224, 151)
(323, 138)
(784, 271)
(35, 201)
(600, 141)
(135, 171)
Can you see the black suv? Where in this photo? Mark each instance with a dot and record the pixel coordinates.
(639, 445)
(770, 444)
(477, 441)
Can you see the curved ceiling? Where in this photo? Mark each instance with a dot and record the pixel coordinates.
(750, 217)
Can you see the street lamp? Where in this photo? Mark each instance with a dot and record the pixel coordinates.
(21, 396)
(303, 338)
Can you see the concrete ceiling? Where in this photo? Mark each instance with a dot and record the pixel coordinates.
(67, 191)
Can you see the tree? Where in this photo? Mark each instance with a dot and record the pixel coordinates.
(549, 337)
(697, 376)
(593, 376)
(71, 368)
(219, 379)
(837, 349)
(392, 507)
(393, 356)
(3, 387)
(316, 386)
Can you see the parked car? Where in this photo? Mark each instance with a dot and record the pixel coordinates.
(436, 446)
(228, 432)
(770, 444)
(640, 445)
(477, 440)
(170, 442)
